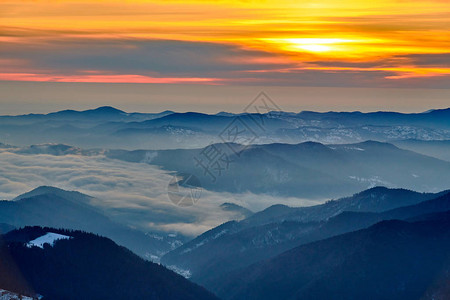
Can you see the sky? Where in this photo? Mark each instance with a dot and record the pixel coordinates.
(248, 45)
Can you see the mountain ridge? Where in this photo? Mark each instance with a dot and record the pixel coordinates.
(86, 266)
(114, 128)
(370, 263)
(54, 207)
(233, 245)
(114, 109)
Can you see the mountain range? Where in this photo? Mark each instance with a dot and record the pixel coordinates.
(230, 247)
(381, 243)
(53, 207)
(108, 127)
(388, 240)
(389, 260)
(435, 148)
(308, 170)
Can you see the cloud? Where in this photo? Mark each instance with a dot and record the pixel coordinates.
(171, 61)
(139, 57)
(132, 193)
(223, 42)
(439, 60)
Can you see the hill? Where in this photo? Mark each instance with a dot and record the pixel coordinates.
(389, 260)
(234, 245)
(85, 266)
(53, 207)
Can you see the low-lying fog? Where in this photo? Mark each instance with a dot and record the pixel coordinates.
(132, 193)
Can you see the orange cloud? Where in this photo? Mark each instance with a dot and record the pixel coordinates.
(102, 78)
(295, 32)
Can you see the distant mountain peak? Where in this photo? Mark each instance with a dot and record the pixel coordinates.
(377, 189)
(442, 110)
(108, 109)
(382, 190)
(168, 111)
(46, 189)
(227, 206)
(42, 190)
(105, 110)
(225, 114)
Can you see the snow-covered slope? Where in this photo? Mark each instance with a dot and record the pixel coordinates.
(48, 238)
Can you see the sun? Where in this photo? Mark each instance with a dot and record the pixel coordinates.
(310, 44)
(313, 48)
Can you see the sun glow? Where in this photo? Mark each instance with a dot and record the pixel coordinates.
(314, 44)
(313, 48)
(287, 36)
(344, 46)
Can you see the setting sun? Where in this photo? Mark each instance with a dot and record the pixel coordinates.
(310, 44)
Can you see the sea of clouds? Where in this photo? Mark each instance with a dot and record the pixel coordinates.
(132, 193)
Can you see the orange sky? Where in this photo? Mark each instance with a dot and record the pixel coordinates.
(378, 43)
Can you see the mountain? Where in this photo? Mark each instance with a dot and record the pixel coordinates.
(73, 196)
(106, 111)
(242, 211)
(53, 207)
(389, 260)
(352, 127)
(215, 123)
(234, 245)
(89, 128)
(246, 174)
(113, 128)
(53, 149)
(81, 265)
(436, 148)
(356, 220)
(376, 199)
(337, 134)
(438, 118)
(309, 170)
(103, 113)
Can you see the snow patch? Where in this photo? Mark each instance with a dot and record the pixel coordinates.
(183, 272)
(153, 258)
(48, 238)
(353, 148)
(7, 295)
(155, 236)
(149, 157)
